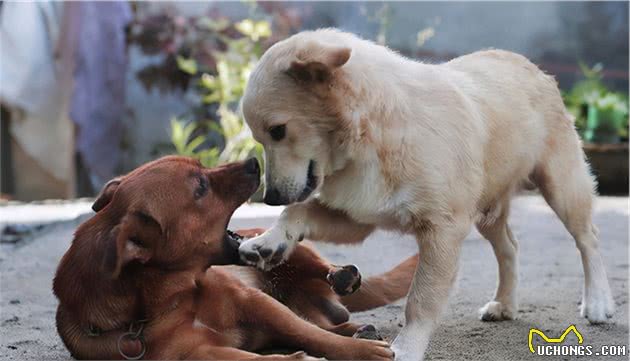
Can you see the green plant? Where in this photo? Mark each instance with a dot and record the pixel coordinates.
(612, 102)
(222, 91)
(181, 135)
(579, 97)
(210, 57)
(597, 109)
(607, 119)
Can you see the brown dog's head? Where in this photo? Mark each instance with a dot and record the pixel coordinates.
(292, 106)
(172, 213)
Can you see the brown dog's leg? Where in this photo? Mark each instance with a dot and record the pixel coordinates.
(287, 328)
(306, 263)
(249, 308)
(304, 284)
(208, 352)
(349, 329)
(344, 329)
(297, 279)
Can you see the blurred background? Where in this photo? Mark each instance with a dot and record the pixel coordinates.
(90, 90)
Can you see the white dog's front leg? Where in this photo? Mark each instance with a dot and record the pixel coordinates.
(312, 220)
(433, 279)
(276, 244)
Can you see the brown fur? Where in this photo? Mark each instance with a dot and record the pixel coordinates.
(153, 251)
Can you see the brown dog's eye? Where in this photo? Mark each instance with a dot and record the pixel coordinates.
(278, 132)
(202, 188)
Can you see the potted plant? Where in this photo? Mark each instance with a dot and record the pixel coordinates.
(605, 119)
(601, 118)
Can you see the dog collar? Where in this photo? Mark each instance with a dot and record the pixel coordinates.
(135, 332)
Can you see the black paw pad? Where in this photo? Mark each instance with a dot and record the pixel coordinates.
(250, 256)
(265, 252)
(344, 280)
(278, 255)
(368, 332)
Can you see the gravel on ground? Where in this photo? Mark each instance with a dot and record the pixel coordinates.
(550, 282)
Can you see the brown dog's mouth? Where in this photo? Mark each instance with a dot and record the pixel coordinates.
(231, 242)
(252, 169)
(233, 236)
(311, 182)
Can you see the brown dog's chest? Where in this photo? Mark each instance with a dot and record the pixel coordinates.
(204, 313)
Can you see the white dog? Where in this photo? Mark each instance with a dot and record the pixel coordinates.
(358, 137)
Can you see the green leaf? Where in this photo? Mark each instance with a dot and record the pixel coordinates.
(208, 81)
(262, 29)
(193, 144)
(188, 129)
(213, 25)
(255, 30)
(246, 27)
(188, 66)
(215, 127)
(209, 157)
(177, 136)
(213, 97)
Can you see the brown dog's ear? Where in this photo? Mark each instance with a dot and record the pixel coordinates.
(317, 63)
(132, 240)
(106, 194)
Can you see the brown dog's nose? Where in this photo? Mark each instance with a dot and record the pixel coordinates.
(252, 167)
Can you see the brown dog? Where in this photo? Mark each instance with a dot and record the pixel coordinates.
(141, 278)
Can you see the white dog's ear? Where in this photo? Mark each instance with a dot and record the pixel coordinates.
(317, 63)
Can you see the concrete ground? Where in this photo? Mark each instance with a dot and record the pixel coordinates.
(550, 282)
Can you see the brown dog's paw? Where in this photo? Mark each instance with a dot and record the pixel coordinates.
(368, 350)
(344, 280)
(368, 332)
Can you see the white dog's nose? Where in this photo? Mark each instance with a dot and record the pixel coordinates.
(274, 198)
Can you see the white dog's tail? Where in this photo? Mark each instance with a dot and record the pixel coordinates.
(383, 289)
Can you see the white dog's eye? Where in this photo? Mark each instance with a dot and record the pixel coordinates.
(278, 132)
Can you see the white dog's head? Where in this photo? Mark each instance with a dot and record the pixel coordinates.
(292, 106)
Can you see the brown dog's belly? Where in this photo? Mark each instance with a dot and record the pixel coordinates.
(243, 338)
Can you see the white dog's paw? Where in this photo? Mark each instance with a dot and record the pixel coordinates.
(411, 343)
(265, 251)
(497, 311)
(598, 308)
(401, 354)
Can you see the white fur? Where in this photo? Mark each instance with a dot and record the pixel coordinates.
(424, 149)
